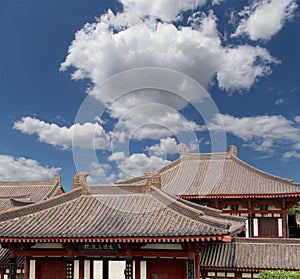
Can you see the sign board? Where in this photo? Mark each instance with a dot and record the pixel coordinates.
(98, 248)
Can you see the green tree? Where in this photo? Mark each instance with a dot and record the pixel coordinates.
(294, 209)
(279, 274)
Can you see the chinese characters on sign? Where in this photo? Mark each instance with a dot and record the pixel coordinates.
(98, 248)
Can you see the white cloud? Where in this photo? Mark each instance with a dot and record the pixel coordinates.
(217, 2)
(239, 68)
(137, 164)
(99, 52)
(291, 155)
(263, 19)
(279, 102)
(87, 135)
(24, 169)
(194, 145)
(100, 174)
(116, 156)
(154, 124)
(166, 146)
(166, 10)
(263, 133)
(297, 119)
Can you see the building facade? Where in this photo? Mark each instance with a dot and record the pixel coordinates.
(83, 232)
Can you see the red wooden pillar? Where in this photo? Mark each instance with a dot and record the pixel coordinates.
(128, 272)
(137, 268)
(216, 204)
(284, 220)
(37, 262)
(81, 268)
(197, 265)
(26, 267)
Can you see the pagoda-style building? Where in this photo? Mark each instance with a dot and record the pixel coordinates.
(80, 233)
(225, 182)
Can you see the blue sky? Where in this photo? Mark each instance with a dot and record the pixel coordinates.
(59, 55)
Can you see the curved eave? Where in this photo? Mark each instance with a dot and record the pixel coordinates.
(241, 196)
(158, 239)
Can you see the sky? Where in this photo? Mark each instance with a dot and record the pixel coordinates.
(114, 88)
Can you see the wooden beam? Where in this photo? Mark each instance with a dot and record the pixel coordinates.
(134, 254)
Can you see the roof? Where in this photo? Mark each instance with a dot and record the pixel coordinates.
(116, 215)
(252, 254)
(17, 193)
(219, 175)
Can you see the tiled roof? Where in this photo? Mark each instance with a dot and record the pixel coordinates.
(113, 215)
(27, 191)
(252, 254)
(218, 175)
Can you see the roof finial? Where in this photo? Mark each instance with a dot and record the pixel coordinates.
(182, 150)
(233, 150)
(57, 178)
(153, 178)
(79, 181)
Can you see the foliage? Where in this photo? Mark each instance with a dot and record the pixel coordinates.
(294, 209)
(279, 274)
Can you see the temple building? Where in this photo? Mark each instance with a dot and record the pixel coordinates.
(206, 216)
(225, 182)
(81, 233)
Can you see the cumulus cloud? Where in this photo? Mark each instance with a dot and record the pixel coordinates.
(297, 119)
(166, 146)
(87, 135)
(116, 156)
(291, 155)
(138, 163)
(100, 173)
(135, 39)
(155, 124)
(263, 133)
(166, 10)
(239, 67)
(114, 44)
(263, 19)
(24, 169)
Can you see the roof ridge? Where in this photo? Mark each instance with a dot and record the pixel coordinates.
(263, 173)
(216, 212)
(171, 164)
(40, 205)
(26, 182)
(196, 214)
(55, 187)
(15, 197)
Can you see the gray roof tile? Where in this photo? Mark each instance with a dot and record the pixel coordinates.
(125, 215)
